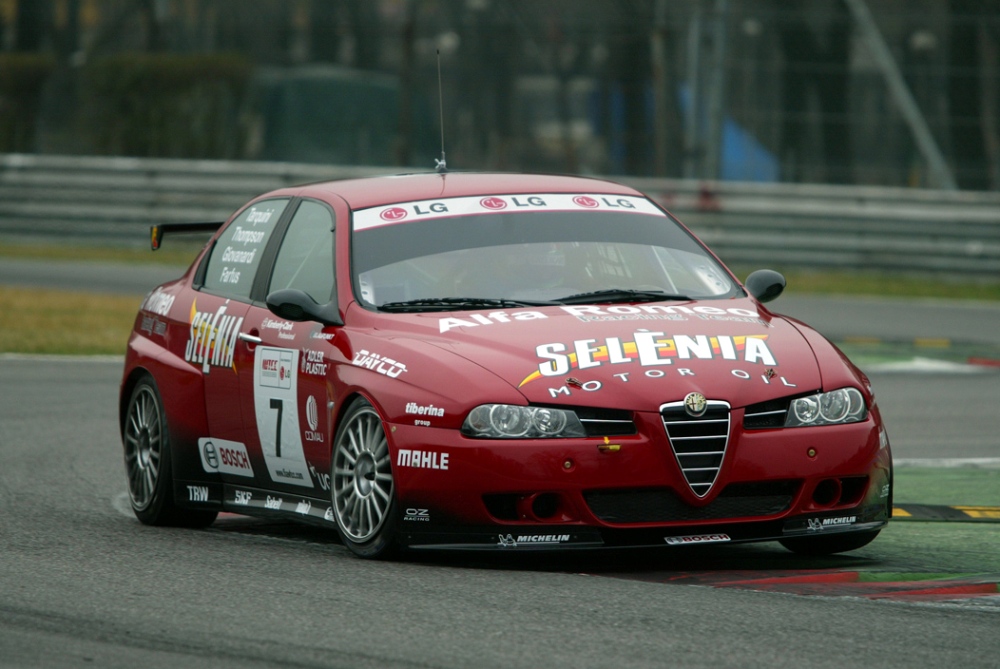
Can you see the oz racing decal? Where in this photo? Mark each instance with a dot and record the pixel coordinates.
(649, 349)
(275, 399)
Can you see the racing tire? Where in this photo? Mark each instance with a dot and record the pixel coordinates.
(146, 442)
(828, 545)
(362, 487)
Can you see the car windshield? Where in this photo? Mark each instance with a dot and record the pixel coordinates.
(531, 257)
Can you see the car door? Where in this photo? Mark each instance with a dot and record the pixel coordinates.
(217, 327)
(284, 386)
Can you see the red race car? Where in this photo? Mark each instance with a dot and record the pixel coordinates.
(492, 362)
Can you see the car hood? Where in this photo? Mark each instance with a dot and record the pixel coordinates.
(633, 356)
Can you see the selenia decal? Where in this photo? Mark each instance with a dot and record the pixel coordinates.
(275, 398)
(648, 349)
(212, 338)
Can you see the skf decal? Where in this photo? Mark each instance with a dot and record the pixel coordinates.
(648, 349)
(212, 338)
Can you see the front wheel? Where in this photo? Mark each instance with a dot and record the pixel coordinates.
(146, 441)
(828, 545)
(364, 500)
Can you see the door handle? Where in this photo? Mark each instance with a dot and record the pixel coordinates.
(249, 338)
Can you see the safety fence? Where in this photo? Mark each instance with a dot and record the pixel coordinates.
(112, 201)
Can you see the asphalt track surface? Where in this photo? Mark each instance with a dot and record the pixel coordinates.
(82, 583)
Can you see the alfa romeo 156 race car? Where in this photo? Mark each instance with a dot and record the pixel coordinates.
(495, 362)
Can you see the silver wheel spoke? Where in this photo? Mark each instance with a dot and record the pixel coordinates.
(362, 476)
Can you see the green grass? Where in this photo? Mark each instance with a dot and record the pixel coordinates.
(881, 284)
(179, 253)
(58, 322)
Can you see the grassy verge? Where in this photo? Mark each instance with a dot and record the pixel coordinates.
(179, 253)
(61, 322)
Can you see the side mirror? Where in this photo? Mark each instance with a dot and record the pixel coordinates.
(765, 284)
(295, 305)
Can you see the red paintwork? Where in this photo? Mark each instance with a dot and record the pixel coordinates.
(457, 364)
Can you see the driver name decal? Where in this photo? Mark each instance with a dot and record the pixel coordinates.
(649, 349)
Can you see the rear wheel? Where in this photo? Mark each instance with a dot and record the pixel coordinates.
(836, 543)
(364, 497)
(146, 441)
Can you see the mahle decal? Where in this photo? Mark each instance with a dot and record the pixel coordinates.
(648, 349)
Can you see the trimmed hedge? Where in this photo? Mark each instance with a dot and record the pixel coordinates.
(22, 76)
(167, 105)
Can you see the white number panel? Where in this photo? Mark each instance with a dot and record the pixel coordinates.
(275, 398)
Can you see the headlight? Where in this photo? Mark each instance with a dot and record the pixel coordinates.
(508, 421)
(845, 405)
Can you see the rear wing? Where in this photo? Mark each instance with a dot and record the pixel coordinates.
(156, 232)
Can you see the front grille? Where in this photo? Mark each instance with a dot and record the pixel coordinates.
(661, 505)
(765, 415)
(699, 443)
(599, 422)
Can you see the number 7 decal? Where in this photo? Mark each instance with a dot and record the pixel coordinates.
(280, 406)
(275, 373)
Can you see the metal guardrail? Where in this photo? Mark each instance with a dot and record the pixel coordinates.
(113, 200)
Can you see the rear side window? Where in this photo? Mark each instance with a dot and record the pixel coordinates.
(305, 259)
(237, 253)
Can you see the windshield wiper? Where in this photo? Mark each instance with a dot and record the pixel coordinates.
(621, 295)
(459, 304)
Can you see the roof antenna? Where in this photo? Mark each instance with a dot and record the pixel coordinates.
(441, 165)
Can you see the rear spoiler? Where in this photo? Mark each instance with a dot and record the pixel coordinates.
(156, 232)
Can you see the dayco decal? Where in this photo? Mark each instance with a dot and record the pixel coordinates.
(697, 539)
(212, 338)
(648, 349)
(378, 363)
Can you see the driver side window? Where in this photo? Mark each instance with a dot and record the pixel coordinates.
(305, 259)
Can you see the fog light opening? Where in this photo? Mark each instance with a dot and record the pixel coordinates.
(545, 505)
(827, 493)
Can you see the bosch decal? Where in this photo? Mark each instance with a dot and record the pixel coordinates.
(227, 457)
(697, 539)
